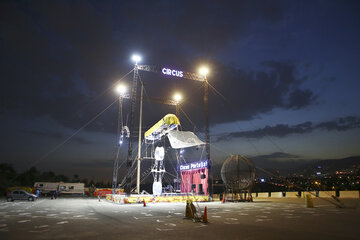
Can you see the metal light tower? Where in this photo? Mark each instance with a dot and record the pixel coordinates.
(136, 59)
(204, 71)
(121, 90)
(139, 143)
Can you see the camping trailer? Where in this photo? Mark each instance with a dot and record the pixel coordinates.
(49, 188)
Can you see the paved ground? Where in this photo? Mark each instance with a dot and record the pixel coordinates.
(81, 218)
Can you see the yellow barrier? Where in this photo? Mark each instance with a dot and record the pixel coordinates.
(147, 199)
(28, 189)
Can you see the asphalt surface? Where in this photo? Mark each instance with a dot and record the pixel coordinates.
(85, 218)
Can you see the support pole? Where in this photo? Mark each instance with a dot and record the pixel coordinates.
(132, 110)
(207, 132)
(139, 144)
(116, 162)
(177, 111)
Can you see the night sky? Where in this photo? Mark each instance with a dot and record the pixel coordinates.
(284, 76)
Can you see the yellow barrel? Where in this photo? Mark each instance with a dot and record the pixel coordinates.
(308, 201)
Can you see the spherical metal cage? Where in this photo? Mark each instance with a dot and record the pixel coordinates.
(238, 173)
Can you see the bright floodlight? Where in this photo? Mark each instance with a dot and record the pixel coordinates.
(203, 71)
(177, 97)
(136, 58)
(121, 89)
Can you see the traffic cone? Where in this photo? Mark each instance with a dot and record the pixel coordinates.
(144, 202)
(99, 198)
(205, 215)
(223, 200)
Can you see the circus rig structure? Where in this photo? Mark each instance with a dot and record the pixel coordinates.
(191, 177)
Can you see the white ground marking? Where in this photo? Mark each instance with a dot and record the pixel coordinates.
(231, 219)
(78, 216)
(18, 211)
(243, 214)
(63, 222)
(148, 215)
(39, 231)
(23, 214)
(66, 212)
(292, 216)
(317, 214)
(170, 224)
(136, 218)
(158, 220)
(42, 226)
(231, 222)
(36, 203)
(261, 216)
(23, 221)
(164, 229)
(201, 225)
(262, 220)
(52, 214)
(3, 225)
(216, 216)
(267, 212)
(309, 212)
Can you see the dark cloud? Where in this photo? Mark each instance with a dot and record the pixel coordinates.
(277, 155)
(250, 93)
(342, 124)
(54, 135)
(57, 135)
(282, 130)
(301, 98)
(55, 60)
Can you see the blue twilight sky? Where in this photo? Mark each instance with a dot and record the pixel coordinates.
(287, 72)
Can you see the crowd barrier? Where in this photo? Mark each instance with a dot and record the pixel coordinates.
(323, 194)
(151, 199)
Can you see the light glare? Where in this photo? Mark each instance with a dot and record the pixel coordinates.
(177, 97)
(203, 71)
(121, 89)
(136, 58)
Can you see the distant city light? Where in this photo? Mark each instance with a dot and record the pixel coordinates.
(262, 180)
(136, 58)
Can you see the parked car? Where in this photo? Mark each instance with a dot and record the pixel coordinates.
(21, 195)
